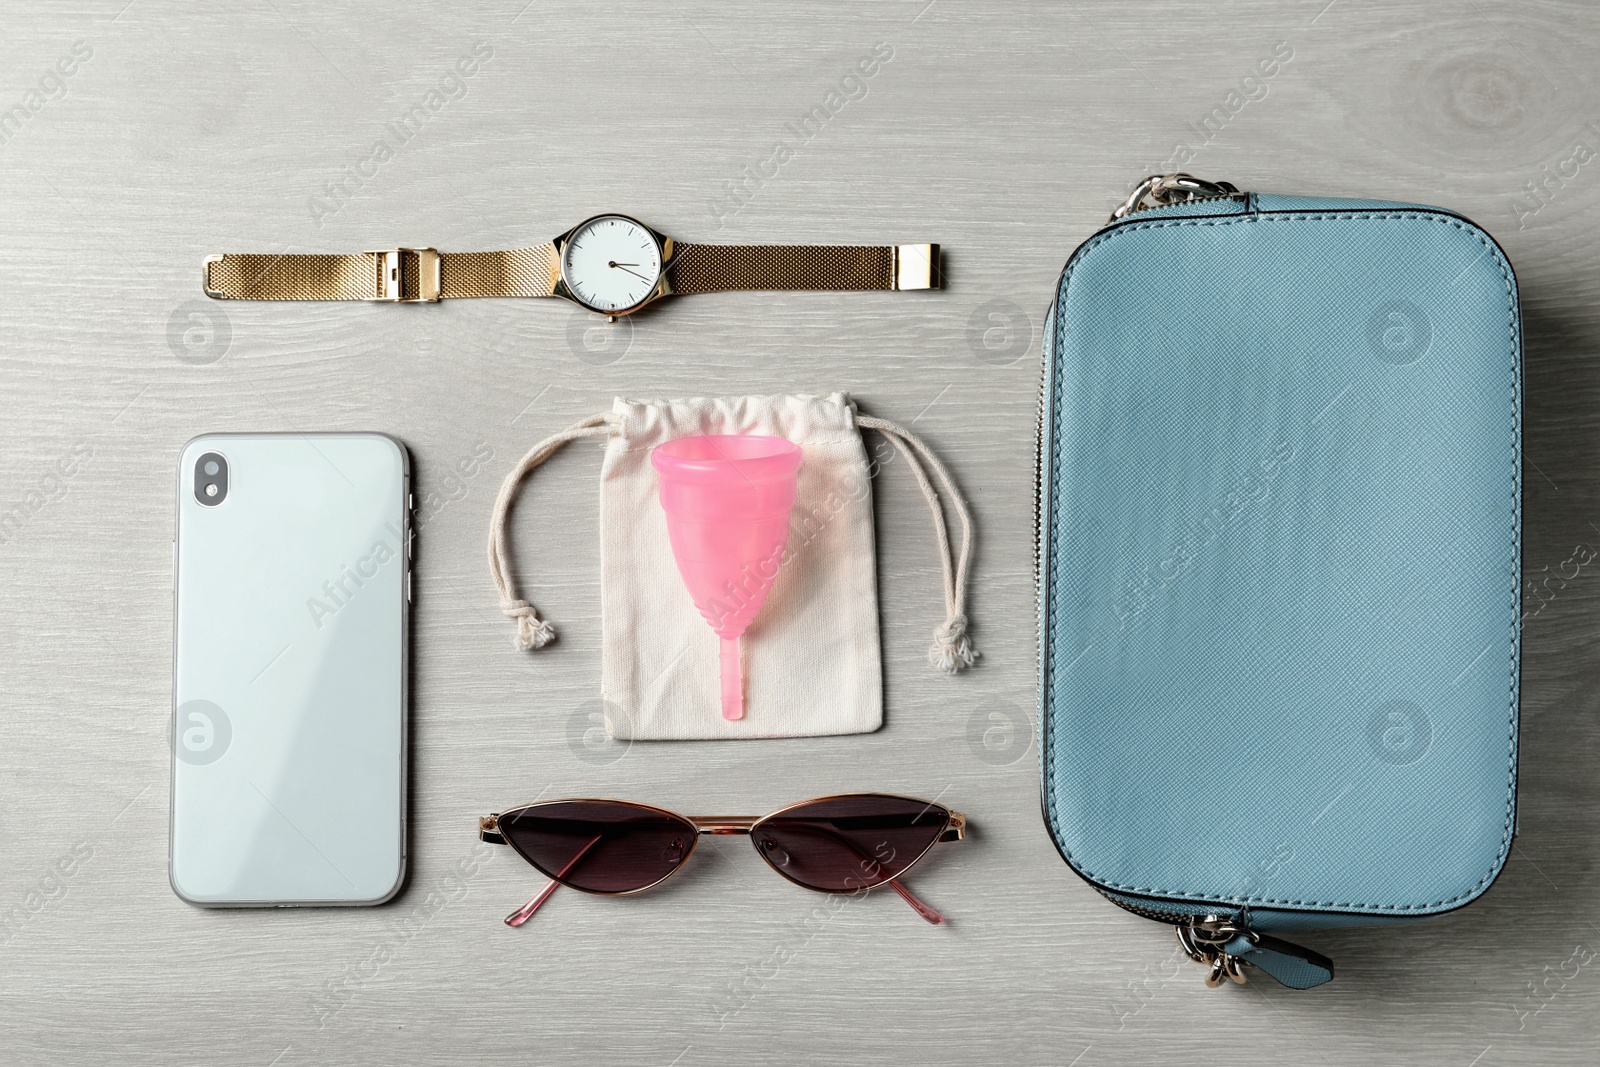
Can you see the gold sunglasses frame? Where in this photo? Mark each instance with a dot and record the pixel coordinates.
(954, 829)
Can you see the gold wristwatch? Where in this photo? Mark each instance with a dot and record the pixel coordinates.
(611, 264)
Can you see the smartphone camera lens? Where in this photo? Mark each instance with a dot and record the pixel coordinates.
(211, 479)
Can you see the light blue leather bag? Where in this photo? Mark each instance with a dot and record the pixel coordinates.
(1280, 566)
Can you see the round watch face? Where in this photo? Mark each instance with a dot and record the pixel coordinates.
(611, 263)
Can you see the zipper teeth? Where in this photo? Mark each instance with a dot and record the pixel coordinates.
(1038, 509)
(1169, 917)
(1172, 918)
(1039, 452)
(1182, 203)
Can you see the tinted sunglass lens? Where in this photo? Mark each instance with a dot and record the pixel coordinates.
(601, 847)
(848, 843)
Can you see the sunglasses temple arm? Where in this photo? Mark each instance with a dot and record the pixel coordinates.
(922, 909)
(906, 895)
(910, 898)
(524, 913)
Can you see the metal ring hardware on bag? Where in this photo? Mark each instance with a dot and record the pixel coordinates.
(1160, 190)
(1203, 939)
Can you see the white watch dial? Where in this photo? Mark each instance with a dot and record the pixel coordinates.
(611, 263)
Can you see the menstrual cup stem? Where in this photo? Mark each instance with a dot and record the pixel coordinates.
(732, 680)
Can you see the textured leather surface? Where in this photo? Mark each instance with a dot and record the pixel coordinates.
(1281, 557)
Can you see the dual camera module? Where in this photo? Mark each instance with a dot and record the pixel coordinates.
(211, 479)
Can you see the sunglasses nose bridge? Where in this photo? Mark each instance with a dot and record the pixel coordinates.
(723, 824)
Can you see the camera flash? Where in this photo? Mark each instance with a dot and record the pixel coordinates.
(211, 490)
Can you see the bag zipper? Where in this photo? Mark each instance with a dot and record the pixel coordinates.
(1194, 930)
(1223, 942)
(1162, 190)
(1205, 936)
(1048, 355)
(1158, 190)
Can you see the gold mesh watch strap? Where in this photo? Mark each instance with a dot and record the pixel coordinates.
(515, 272)
(720, 268)
(401, 275)
(408, 275)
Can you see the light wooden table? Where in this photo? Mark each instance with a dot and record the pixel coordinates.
(1004, 131)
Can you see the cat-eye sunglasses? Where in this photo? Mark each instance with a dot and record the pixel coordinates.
(838, 844)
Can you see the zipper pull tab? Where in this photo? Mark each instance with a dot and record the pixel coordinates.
(1292, 965)
(1223, 944)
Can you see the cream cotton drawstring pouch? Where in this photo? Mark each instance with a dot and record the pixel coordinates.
(812, 659)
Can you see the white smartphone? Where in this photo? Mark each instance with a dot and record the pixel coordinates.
(292, 589)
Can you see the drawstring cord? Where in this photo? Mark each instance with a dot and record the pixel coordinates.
(532, 631)
(952, 649)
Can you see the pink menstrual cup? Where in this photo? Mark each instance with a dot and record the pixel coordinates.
(728, 499)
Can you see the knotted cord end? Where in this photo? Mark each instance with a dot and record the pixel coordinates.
(952, 649)
(532, 631)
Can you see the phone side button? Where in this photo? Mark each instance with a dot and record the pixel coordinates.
(408, 587)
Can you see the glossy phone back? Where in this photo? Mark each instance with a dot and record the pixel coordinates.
(289, 673)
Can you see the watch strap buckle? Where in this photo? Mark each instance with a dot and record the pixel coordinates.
(205, 278)
(916, 266)
(395, 283)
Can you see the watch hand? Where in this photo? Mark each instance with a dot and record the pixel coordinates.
(635, 273)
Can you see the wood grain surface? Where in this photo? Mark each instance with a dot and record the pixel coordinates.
(1004, 131)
